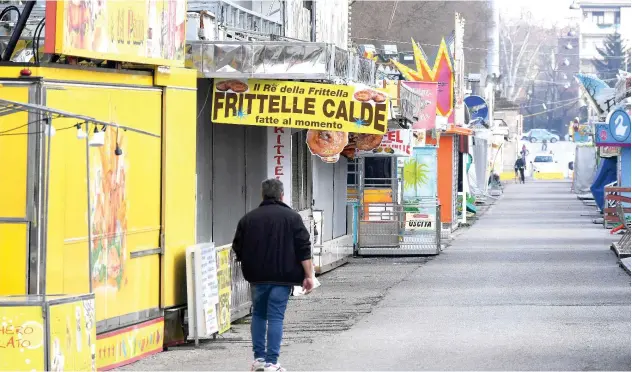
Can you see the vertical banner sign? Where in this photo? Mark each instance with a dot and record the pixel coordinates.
(223, 280)
(279, 161)
(459, 70)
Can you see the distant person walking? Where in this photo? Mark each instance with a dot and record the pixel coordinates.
(275, 252)
(519, 166)
(523, 153)
(544, 145)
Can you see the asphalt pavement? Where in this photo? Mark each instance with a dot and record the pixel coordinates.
(532, 285)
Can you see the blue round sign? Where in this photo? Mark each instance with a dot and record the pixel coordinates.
(619, 125)
(477, 107)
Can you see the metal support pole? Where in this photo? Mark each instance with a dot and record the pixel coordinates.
(88, 207)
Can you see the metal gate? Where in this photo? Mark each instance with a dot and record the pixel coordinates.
(395, 229)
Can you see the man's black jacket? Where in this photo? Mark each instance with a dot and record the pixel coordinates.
(271, 241)
(519, 164)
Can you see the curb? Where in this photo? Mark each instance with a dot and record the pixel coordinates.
(625, 267)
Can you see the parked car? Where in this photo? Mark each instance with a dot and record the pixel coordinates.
(538, 135)
(545, 163)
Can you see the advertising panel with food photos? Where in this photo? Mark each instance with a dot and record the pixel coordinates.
(140, 31)
(324, 107)
(394, 143)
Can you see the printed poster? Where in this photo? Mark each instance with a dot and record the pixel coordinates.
(141, 31)
(419, 178)
(224, 284)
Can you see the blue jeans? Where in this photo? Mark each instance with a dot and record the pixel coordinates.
(269, 304)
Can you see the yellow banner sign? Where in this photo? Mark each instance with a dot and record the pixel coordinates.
(21, 338)
(299, 105)
(129, 344)
(224, 289)
(139, 31)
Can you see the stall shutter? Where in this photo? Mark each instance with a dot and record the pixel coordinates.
(229, 181)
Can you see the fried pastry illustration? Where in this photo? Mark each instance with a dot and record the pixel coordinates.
(326, 143)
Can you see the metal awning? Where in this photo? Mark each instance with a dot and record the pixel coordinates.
(293, 60)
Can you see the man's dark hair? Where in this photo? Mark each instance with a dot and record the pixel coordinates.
(271, 189)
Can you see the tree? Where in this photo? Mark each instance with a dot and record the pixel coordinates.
(614, 56)
(523, 42)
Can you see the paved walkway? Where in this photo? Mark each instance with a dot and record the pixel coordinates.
(531, 286)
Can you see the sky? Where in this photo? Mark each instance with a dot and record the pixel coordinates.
(549, 11)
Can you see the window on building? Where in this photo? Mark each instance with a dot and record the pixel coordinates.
(598, 18)
(377, 171)
(301, 172)
(617, 18)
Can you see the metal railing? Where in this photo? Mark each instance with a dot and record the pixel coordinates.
(394, 229)
(232, 15)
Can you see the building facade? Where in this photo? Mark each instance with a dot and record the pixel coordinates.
(598, 19)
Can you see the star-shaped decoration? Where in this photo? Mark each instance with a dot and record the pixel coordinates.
(241, 114)
(359, 122)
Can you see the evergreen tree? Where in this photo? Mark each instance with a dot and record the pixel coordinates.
(614, 56)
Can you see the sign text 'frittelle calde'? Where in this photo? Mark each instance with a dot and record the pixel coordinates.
(299, 105)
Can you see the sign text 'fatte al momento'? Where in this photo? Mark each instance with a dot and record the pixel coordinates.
(299, 105)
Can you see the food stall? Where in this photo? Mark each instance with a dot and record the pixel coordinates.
(100, 199)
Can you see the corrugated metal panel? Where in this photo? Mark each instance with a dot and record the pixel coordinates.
(332, 20)
(204, 160)
(39, 11)
(340, 198)
(297, 20)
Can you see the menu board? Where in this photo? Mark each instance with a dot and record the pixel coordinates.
(209, 286)
(202, 290)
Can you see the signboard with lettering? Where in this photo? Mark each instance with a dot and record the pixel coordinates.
(420, 221)
(51, 333)
(394, 143)
(202, 289)
(427, 116)
(290, 104)
(139, 31)
(224, 280)
(21, 338)
(279, 161)
(615, 131)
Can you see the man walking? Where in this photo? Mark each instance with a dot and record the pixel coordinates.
(519, 169)
(275, 252)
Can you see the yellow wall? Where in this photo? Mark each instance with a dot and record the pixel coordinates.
(179, 139)
(139, 204)
(13, 178)
(127, 194)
